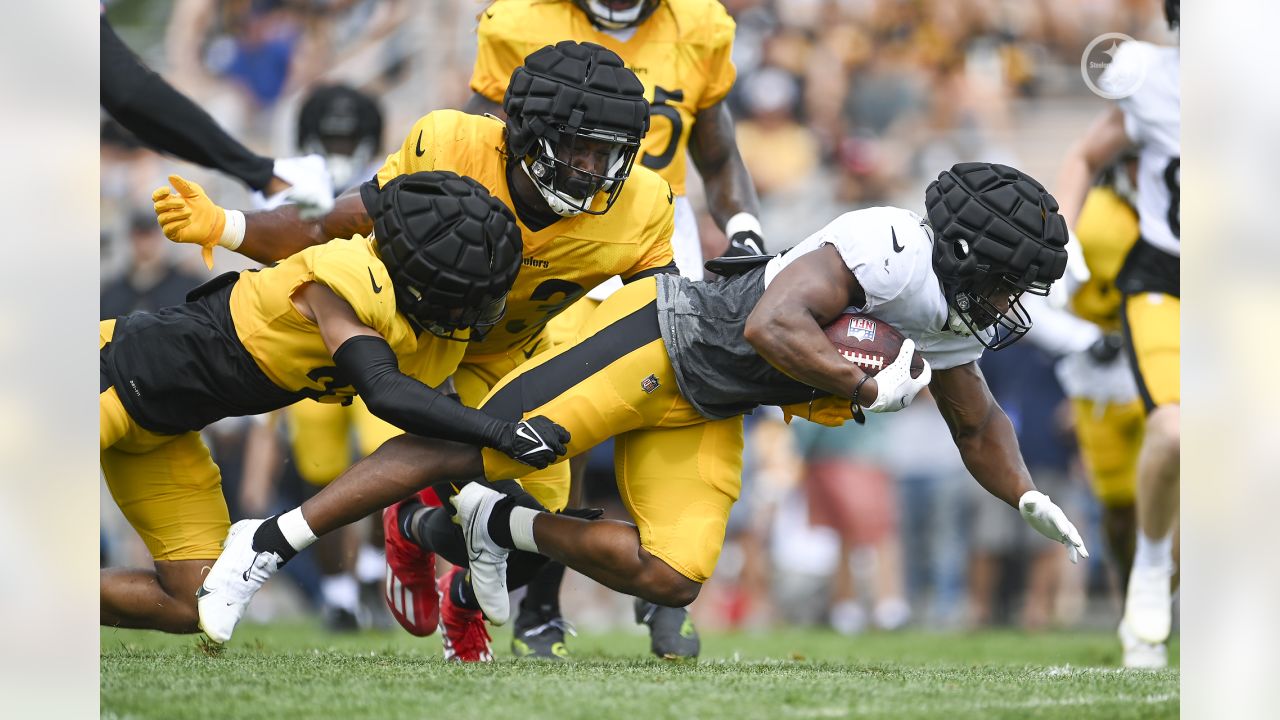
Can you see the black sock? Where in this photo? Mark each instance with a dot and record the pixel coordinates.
(460, 592)
(543, 595)
(500, 522)
(404, 520)
(268, 538)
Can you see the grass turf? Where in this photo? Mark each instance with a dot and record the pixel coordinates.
(301, 671)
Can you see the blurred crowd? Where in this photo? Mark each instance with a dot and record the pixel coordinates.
(839, 104)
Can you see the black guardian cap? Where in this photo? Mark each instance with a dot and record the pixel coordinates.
(997, 234)
(567, 99)
(451, 248)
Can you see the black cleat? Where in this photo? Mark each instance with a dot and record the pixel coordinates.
(672, 635)
(540, 635)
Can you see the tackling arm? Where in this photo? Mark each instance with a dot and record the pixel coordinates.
(982, 432)
(785, 327)
(1102, 142)
(714, 150)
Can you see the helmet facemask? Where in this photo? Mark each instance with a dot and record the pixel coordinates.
(604, 15)
(479, 320)
(991, 309)
(568, 187)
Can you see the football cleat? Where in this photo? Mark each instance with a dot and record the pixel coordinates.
(488, 559)
(672, 635)
(465, 637)
(236, 576)
(410, 589)
(1148, 604)
(1142, 655)
(539, 635)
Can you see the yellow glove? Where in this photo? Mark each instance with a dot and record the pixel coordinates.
(828, 410)
(191, 217)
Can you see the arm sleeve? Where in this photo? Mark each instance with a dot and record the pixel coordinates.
(657, 231)
(167, 120)
(406, 403)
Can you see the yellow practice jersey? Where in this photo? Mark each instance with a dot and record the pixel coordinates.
(1107, 228)
(562, 261)
(681, 53)
(288, 347)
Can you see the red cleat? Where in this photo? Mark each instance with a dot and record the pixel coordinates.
(465, 637)
(411, 574)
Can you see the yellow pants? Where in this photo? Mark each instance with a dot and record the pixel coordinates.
(320, 436)
(1151, 321)
(167, 486)
(1110, 439)
(678, 472)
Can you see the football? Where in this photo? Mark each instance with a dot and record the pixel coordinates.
(868, 342)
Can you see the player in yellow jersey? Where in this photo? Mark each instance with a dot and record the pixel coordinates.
(381, 317)
(681, 50)
(564, 160)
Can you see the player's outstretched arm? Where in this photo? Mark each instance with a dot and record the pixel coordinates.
(367, 360)
(989, 447)
(1102, 142)
(731, 195)
(785, 327)
(188, 215)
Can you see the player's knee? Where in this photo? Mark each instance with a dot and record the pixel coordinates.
(664, 585)
(1164, 426)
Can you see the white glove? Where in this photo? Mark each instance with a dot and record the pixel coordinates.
(310, 189)
(895, 388)
(1049, 520)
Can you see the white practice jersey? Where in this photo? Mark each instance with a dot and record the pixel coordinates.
(890, 251)
(1153, 121)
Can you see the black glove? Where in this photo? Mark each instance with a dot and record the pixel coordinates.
(584, 513)
(1107, 348)
(744, 243)
(537, 441)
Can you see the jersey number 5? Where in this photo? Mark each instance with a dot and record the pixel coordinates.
(660, 107)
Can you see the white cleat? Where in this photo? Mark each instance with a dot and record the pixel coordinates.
(237, 575)
(488, 560)
(1148, 605)
(1142, 655)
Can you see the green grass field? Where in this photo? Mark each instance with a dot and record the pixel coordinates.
(301, 671)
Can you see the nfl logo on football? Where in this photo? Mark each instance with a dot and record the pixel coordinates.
(862, 329)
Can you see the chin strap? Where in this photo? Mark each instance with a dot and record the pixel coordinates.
(557, 204)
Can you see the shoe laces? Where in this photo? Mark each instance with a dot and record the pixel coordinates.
(472, 637)
(557, 623)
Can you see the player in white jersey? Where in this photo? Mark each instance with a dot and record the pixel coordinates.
(1148, 121)
(668, 366)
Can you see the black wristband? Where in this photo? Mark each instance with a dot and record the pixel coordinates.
(857, 389)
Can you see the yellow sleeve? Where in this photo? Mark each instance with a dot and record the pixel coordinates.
(348, 269)
(416, 153)
(657, 234)
(497, 56)
(718, 60)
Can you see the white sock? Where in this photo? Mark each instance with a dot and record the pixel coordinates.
(522, 528)
(295, 529)
(340, 591)
(1154, 554)
(371, 564)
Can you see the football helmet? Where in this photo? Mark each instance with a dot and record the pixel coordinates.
(997, 235)
(451, 248)
(575, 117)
(617, 14)
(344, 126)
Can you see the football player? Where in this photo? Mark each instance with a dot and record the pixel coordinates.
(379, 317)
(681, 50)
(564, 160)
(668, 366)
(1147, 121)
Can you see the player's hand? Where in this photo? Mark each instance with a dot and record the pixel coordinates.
(1049, 520)
(895, 388)
(189, 216)
(310, 187)
(744, 243)
(1106, 349)
(537, 441)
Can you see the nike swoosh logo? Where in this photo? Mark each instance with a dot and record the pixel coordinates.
(419, 149)
(202, 591)
(896, 246)
(376, 288)
(523, 431)
(529, 353)
(670, 193)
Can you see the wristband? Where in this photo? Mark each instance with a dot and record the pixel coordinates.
(232, 229)
(858, 389)
(743, 222)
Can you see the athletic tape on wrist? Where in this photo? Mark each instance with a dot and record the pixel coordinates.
(743, 222)
(232, 230)
(522, 528)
